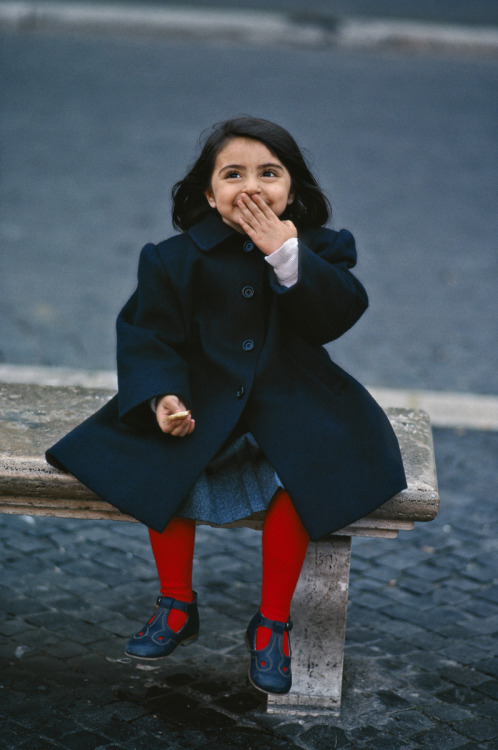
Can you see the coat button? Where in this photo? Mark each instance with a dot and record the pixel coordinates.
(248, 345)
(248, 291)
(248, 246)
(241, 391)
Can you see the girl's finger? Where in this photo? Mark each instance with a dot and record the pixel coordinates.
(187, 429)
(183, 429)
(252, 231)
(250, 208)
(264, 208)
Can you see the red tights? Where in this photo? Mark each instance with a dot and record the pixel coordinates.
(173, 552)
(284, 546)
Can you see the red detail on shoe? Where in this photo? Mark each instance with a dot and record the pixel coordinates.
(160, 637)
(263, 664)
(141, 633)
(149, 621)
(177, 619)
(284, 669)
(263, 636)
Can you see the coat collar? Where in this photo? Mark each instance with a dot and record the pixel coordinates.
(211, 231)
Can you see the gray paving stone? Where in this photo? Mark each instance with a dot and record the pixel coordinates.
(484, 625)
(372, 601)
(419, 662)
(15, 627)
(488, 666)
(478, 729)
(455, 632)
(404, 630)
(481, 608)
(430, 681)
(489, 592)
(323, 737)
(42, 743)
(488, 708)
(464, 584)
(385, 741)
(461, 675)
(83, 739)
(420, 641)
(442, 739)
(469, 698)
(447, 594)
(445, 712)
(408, 723)
(417, 587)
(391, 700)
(489, 688)
(246, 738)
(463, 651)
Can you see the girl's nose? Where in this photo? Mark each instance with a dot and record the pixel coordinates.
(252, 186)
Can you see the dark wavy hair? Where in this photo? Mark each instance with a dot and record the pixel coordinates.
(310, 208)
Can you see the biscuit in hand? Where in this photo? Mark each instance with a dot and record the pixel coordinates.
(178, 415)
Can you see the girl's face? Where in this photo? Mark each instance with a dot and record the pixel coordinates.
(245, 165)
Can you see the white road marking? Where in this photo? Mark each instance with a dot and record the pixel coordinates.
(258, 27)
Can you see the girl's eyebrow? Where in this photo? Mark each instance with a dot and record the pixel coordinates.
(260, 166)
(230, 166)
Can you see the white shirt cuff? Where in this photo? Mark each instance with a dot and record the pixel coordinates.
(285, 262)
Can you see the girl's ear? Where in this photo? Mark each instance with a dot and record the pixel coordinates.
(210, 197)
(291, 197)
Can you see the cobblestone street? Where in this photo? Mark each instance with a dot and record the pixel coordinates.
(420, 669)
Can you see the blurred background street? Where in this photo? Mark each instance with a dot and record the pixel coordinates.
(95, 129)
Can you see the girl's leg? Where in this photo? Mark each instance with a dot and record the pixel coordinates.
(173, 552)
(285, 541)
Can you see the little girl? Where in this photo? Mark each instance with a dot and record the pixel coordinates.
(228, 404)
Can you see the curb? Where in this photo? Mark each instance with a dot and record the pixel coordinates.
(466, 411)
(250, 26)
(415, 34)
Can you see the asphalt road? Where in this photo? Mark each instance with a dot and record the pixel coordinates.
(96, 129)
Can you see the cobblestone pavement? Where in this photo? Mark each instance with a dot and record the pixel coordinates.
(420, 669)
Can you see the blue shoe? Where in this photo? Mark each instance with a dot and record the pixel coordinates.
(156, 639)
(270, 669)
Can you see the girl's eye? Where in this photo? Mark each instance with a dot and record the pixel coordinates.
(231, 175)
(269, 173)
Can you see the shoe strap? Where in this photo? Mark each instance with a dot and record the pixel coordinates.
(275, 625)
(167, 602)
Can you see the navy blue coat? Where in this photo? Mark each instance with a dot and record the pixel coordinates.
(210, 323)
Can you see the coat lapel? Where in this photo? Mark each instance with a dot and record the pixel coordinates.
(210, 232)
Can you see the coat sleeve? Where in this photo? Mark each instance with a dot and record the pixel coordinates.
(150, 338)
(326, 299)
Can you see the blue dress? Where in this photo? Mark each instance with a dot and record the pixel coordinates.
(238, 482)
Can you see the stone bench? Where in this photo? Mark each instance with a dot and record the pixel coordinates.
(34, 417)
